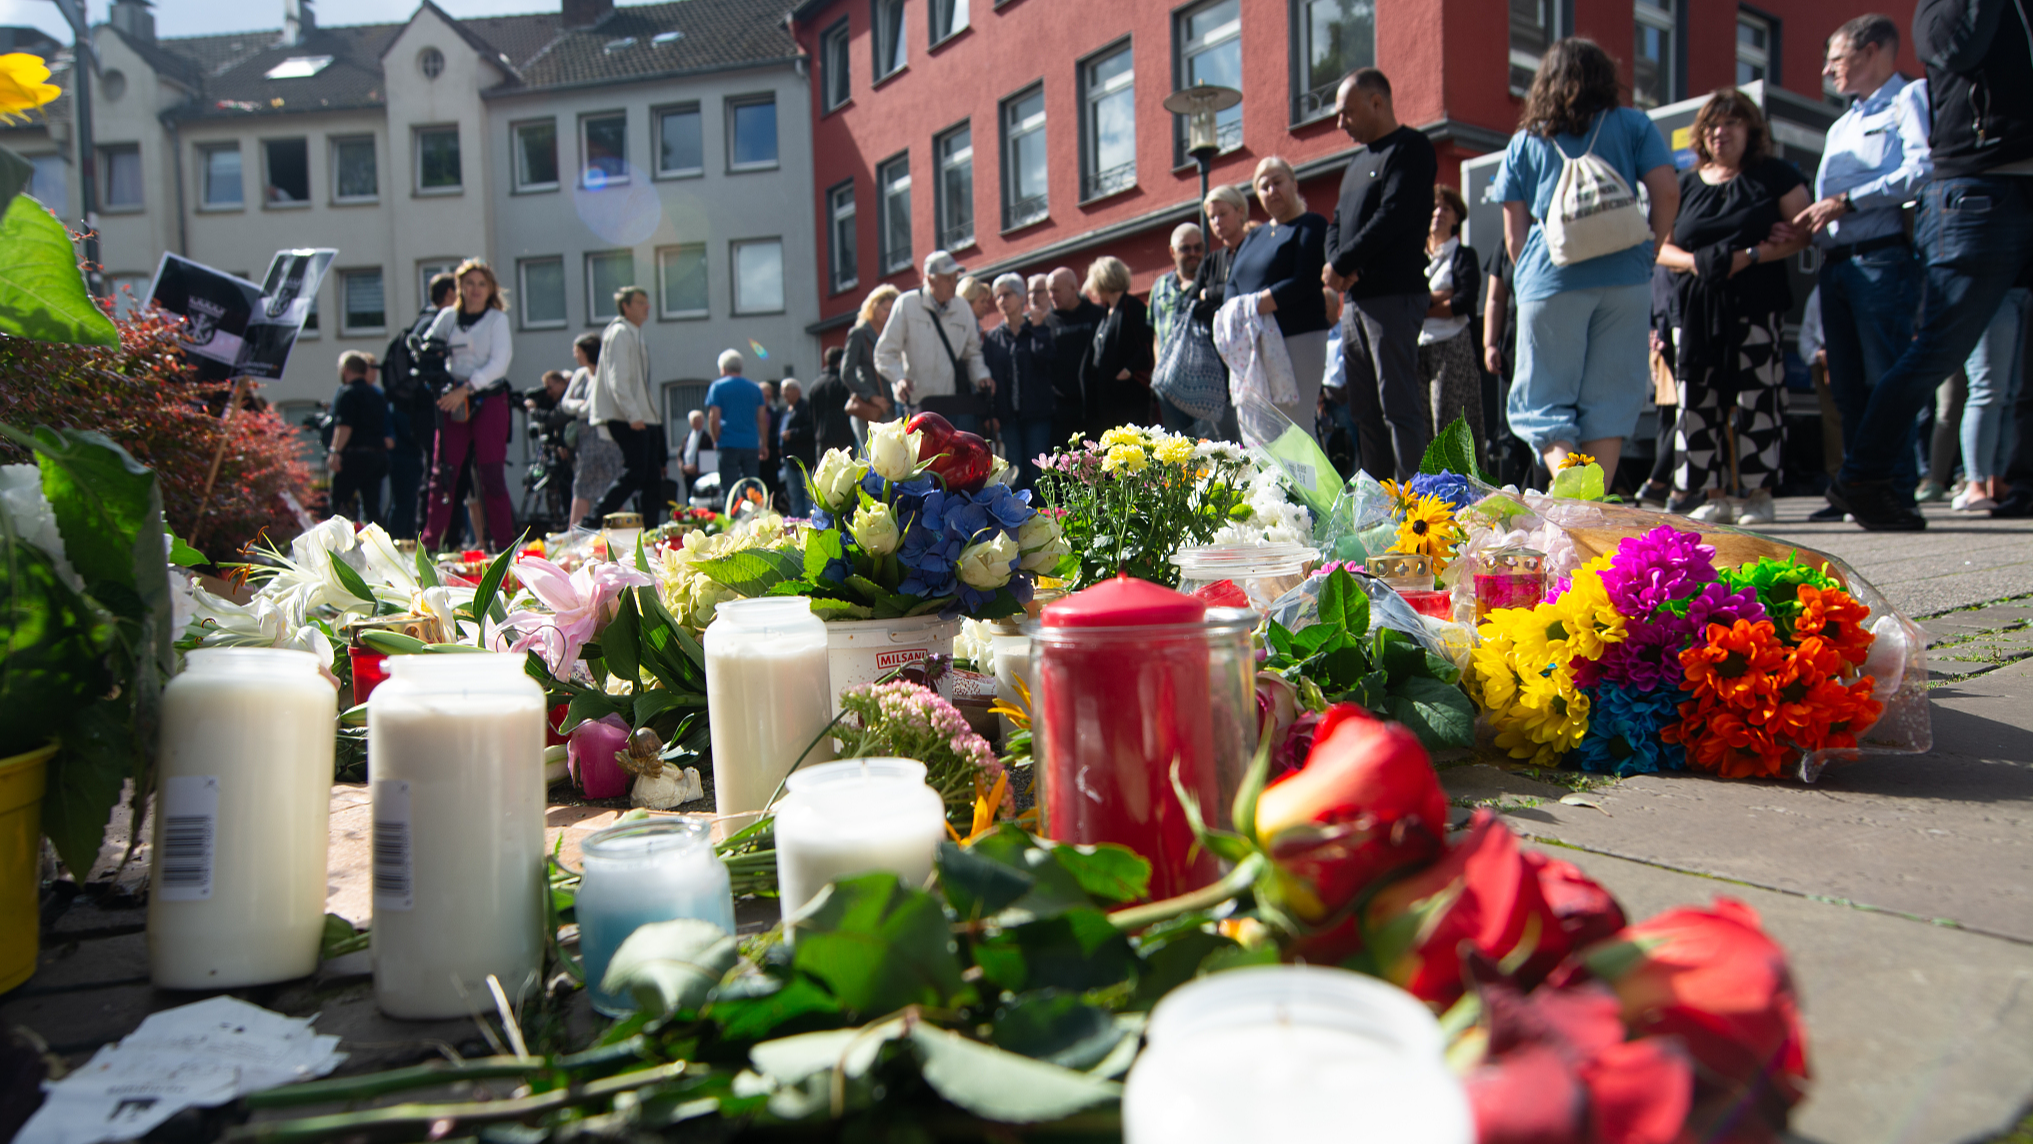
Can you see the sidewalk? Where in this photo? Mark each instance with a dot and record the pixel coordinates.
(1902, 887)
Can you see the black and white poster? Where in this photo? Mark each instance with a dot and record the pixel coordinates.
(236, 328)
(287, 292)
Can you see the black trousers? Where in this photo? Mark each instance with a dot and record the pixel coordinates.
(360, 474)
(641, 464)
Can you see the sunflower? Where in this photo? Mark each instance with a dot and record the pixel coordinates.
(1429, 529)
(22, 86)
(1575, 461)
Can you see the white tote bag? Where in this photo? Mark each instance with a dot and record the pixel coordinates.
(1594, 212)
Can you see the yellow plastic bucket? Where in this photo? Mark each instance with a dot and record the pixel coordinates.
(21, 781)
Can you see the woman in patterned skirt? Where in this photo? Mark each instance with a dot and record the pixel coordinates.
(1449, 353)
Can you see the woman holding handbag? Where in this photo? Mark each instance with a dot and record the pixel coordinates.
(1192, 381)
(475, 415)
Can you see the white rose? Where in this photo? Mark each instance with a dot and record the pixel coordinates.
(1041, 543)
(892, 452)
(1001, 472)
(834, 481)
(986, 566)
(875, 529)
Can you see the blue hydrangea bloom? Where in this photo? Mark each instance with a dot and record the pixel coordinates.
(1623, 732)
(1450, 487)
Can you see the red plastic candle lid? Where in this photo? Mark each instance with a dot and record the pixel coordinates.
(1125, 602)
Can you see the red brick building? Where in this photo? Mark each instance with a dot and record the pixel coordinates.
(1028, 134)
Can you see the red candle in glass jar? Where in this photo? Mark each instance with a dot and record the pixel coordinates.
(370, 670)
(1123, 694)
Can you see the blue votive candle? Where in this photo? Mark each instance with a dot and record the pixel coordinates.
(637, 873)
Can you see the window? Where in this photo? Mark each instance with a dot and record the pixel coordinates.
(949, 18)
(219, 167)
(605, 273)
(680, 149)
(1108, 129)
(363, 310)
(1334, 37)
(120, 189)
(299, 67)
(431, 62)
(835, 73)
(1755, 48)
(888, 38)
(955, 150)
(751, 133)
(130, 294)
(681, 278)
(310, 329)
(1210, 51)
(355, 178)
(437, 160)
(1023, 159)
(1652, 63)
(759, 276)
(427, 270)
(542, 282)
(843, 252)
(51, 182)
(603, 149)
(288, 181)
(536, 155)
(1531, 34)
(893, 184)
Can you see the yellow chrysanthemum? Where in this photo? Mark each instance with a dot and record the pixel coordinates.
(1590, 620)
(1493, 672)
(1575, 461)
(1550, 711)
(1123, 435)
(1541, 637)
(1174, 450)
(1125, 458)
(1429, 529)
(22, 85)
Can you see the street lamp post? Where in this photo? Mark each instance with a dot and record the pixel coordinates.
(1200, 104)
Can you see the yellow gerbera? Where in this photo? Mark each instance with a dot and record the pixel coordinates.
(1126, 458)
(22, 86)
(1429, 529)
(1174, 450)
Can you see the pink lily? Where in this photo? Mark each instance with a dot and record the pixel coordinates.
(577, 604)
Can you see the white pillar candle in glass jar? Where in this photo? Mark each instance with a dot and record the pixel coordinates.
(643, 872)
(455, 748)
(769, 694)
(856, 816)
(242, 810)
(1292, 1052)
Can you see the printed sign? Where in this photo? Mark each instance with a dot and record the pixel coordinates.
(236, 328)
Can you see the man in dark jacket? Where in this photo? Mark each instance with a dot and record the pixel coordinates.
(1020, 354)
(1072, 335)
(797, 436)
(1976, 228)
(1376, 255)
(828, 400)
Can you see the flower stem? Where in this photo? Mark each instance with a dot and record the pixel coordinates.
(418, 1119)
(1239, 879)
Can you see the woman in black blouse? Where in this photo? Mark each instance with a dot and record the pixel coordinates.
(1280, 264)
(1116, 373)
(1448, 341)
(1729, 249)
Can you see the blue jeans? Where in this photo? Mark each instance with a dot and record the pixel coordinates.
(1024, 441)
(1994, 371)
(1867, 305)
(1583, 368)
(735, 464)
(1976, 234)
(795, 488)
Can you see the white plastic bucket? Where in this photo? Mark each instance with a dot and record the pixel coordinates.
(864, 651)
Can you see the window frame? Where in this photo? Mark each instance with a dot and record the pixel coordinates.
(842, 274)
(583, 178)
(952, 7)
(334, 143)
(1302, 64)
(104, 175)
(594, 317)
(734, 104)
(836, 52)
(1182, 68)
(1645, 14)
(1770, 51)
(346, 327)
(205, 152)
(657, 115)
(942, 203)
(1010, 134)
(670, 252)
(734, 275)
(1092, 188)
(312, 321)
(417, 135)
(884, 172)
(424, 274)
(1523, 60)
(516, 185)
(310, 191)
(901, 47)
(523, 294)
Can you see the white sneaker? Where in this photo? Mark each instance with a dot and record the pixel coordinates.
(1970, 499)
(1717, 511)
(1757, 508)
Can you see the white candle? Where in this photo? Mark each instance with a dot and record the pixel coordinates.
(455, 749)
(241, 820)
(643, 872)
(856, 816)
(1293, 1052)
(769, 694)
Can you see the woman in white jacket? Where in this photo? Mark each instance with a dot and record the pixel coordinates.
(473, 414)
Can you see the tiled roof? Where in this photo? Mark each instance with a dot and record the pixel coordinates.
(229, 72)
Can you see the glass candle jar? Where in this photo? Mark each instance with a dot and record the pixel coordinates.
(1508, 578)
(242, 818)
(1242, 576)
(1133, 679)
(1411, 575)
(643, 872)
(621, 530)
(855, 816)
(455, 746)
(1289, 1052)
(769, 694)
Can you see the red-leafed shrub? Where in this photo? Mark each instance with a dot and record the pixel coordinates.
(144, 398)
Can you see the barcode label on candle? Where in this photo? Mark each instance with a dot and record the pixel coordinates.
(190, 819)
(394, 885)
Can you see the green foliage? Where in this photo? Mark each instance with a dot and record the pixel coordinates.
(1452, 450)
(1132, 521)
(42, 294)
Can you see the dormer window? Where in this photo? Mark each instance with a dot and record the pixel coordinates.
(299, 67)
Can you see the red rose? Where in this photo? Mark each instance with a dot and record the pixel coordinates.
(1587, 912)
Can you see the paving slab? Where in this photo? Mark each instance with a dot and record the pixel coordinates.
(1917, 1034)
(1960, 561)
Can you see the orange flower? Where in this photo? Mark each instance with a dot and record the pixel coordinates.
(1736, 663)
(1724, 742)
(1838, 713)
(1837, 618)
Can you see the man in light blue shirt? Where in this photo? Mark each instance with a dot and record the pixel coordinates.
(1875, 161)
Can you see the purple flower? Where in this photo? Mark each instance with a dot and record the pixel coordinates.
(1657, 568)
(1716, 604)
(1648, 657)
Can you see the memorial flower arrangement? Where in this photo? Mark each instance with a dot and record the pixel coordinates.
(1650, 657)
(1136, 496)
(910, 721)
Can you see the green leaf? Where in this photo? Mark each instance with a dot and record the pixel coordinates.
(1452, 450)
(1400, 656)
(789, 1060)
(393, 643)
(620, 642)
(1078, 949)
(109, 511)
(15, 174)
(753, 571)
(976, 886)
(590, 704)
(490, 581)
(426, 572)
(352, 581)
(42, 292)
(751, 1018)
(1437, 712)
(1004, 1086)
(1343, 604)
(54, 643)
(1057, 1027)
(1176, 959)
(1054, 888)
(879, 946)
(822, 547)
(829, 610)
(671, 967)
(1582, 482)
(1107, 872)
(183, 555)
(84, 779)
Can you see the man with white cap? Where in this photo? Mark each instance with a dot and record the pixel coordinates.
(931, 347)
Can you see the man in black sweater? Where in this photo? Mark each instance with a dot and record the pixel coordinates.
(1376, 255)
(1075, 318)
(1976, 227)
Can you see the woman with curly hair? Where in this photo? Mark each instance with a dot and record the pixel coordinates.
(475, 415)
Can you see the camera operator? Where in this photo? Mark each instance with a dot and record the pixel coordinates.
(413, 388)
(551, 464)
